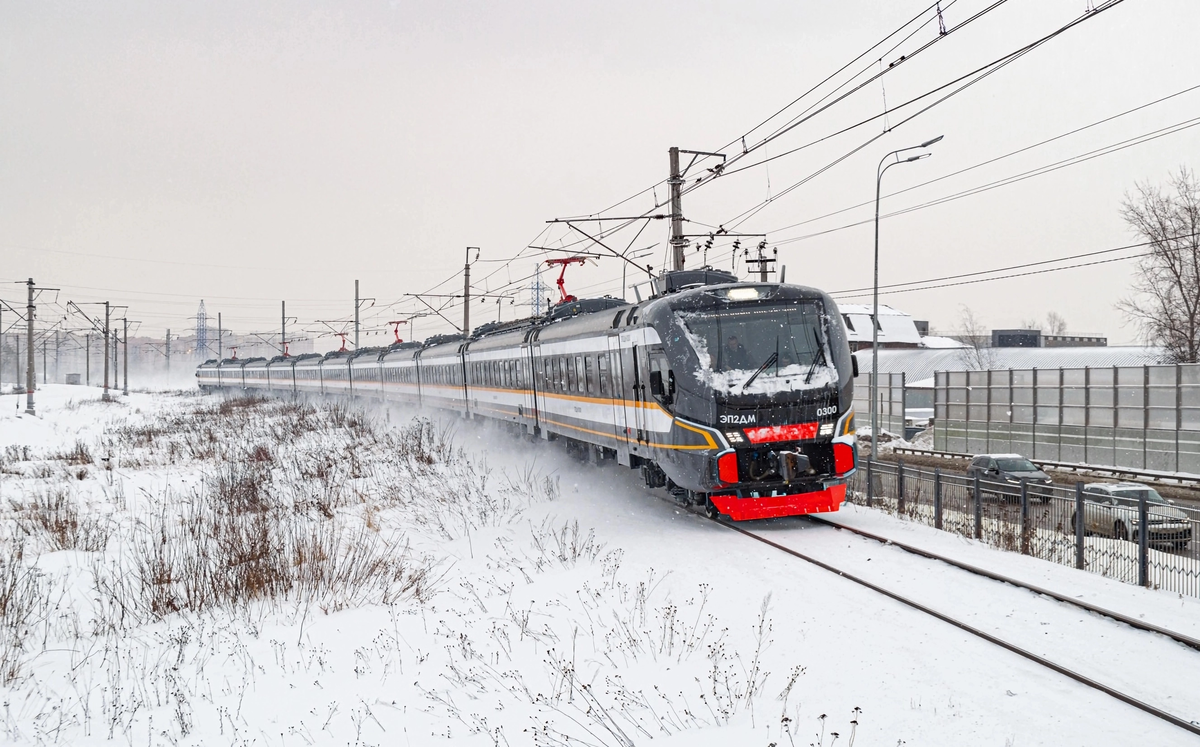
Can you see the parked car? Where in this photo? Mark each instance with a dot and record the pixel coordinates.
(1111, 510)
(1000, 476)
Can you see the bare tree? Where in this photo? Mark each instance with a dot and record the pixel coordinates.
(1055, 324)
(1166, 304)
(978, 354)
(1030, 324)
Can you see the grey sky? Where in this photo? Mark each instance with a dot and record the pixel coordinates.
(249, 152)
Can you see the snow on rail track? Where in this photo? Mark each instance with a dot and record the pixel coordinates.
(1087, 641)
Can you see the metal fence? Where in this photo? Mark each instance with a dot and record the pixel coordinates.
(1144, 417)
(891, 402)
(1064, 525)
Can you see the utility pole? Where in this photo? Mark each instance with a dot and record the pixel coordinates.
(168, 351)
(283, 327)
(57, 376)
(116, 368)
(220, 332)
(125, 388)
(467, 289)
(467, 293)
(30, 375)
(87, 358)
(17, 358)
(107, 311)
(356, 315)
(675, 184)
(763, 261)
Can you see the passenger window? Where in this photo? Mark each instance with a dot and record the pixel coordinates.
(572, 379)
(590, 371)
(603, 361)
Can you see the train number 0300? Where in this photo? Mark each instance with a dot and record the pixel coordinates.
(823, 411)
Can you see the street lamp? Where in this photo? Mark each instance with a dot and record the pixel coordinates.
(879, 171)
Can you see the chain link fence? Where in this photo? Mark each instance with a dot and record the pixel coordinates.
(1091, 531)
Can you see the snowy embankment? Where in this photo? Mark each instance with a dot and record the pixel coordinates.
(281, 573)
(188, 570)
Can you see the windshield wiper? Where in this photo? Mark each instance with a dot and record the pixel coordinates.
(766, 364)
(820, 356)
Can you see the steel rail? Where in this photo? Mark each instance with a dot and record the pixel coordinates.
(1170, 718)
(1130, 621)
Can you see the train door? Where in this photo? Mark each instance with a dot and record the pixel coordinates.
(633, 394)
(527, 364)
(618, 390)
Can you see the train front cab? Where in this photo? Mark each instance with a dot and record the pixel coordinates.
(778, 426)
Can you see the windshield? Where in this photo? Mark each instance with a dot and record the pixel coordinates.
(745, 339)
(1016, 465)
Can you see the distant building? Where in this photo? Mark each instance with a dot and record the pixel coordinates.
(896, 329)
(1034, 338)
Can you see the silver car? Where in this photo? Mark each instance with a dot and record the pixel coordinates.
(1111, 510)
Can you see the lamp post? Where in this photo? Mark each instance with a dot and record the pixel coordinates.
(879, 171)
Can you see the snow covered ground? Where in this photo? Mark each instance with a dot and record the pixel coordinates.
(284, 573)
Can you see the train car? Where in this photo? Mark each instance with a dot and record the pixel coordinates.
(498, 374)
(441, 366)
(254, 375)
(365, 376)
(306, 372)
(757, 379)
(281, 376)
(229, 374)
(206, 376)
(398, 368)
(735, 396)
(335, 374)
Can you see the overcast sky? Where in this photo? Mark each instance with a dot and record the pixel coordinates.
(158, 153)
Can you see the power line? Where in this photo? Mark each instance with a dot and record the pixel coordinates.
(939, 282)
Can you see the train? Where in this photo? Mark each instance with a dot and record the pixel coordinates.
(734, 396)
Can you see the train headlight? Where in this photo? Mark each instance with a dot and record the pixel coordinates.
(742, 294)
(735, 437)
(826, 429)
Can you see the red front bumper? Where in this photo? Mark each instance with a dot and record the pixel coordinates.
(742, 509)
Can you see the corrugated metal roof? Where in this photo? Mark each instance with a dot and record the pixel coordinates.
(922, 363)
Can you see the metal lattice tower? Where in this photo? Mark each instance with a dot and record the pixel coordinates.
(202, 331)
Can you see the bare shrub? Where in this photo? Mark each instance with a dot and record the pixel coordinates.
(24, 600)
(55, 515)
(77, 455)
(235, 543)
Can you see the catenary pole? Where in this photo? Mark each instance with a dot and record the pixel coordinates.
(125, 347)
(356, 315)
(105, 396)
(675, 184)
(467, 293)
(220, 332)
(30, 374)
(282, 327)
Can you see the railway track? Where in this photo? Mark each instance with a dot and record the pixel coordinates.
(1178, 721)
